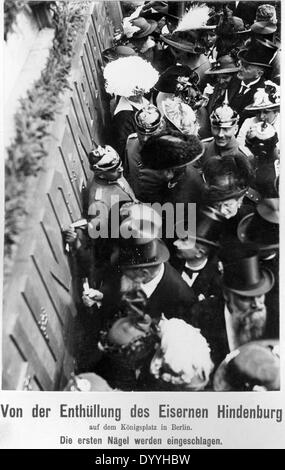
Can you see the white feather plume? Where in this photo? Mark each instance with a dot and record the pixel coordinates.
(195, 18)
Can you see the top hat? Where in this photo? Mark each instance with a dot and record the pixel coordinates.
(148, 119)
(241, 271)
(262, 227)
(224, 116)
(252, 365)
(114, 53)
(134, 255)
(140, 221)
(175, 75)
(266, 98)
(225, 64)
(261, 53)
(265, 21)
(146, 27)
(208, 227)
(103, 159)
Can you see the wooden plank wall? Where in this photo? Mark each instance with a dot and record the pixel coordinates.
(40, 301)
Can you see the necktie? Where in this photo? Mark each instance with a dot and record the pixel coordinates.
(189, 272)
(243, 89)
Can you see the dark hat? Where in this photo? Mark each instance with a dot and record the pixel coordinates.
(142, 256)
(172, 76)
(146, 27)
(261, 53)
(114, 53)
(241, 271)
(103, 158)
(186, 41)
(225, 64)
(226, 177)
(148, 119)
(262, 227)
(208, 227)
(231, 26)
(171, 150)
(139, 222)
(265, 21)
(255, 364)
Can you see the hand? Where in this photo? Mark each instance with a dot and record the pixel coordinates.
(70, 236)
(91, 297)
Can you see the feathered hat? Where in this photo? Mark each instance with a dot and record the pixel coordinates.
(129, 76)
(181, 115)
(187, 34)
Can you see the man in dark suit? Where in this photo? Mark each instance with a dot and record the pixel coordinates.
(239, 315)
(196, 258)
(255, 61)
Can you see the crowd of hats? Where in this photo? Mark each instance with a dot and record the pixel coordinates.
(181, 355)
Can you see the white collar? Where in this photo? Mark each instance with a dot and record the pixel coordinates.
(197, 268)
(149, 287)
(232, 339)
(249, 85)
(125, 104)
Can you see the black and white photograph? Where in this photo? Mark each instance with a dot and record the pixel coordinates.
(141, 151)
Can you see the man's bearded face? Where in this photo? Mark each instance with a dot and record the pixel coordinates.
(249, 316)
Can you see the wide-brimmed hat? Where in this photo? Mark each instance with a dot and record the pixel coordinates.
(265, 21)
(208, 227)
(135, 255)
(260, 53)
(252, 365)
(266, 98)
(184, 41)
(224, 116)
(181, 115)
(172, 76)
(225, 64)
(146, 27)
(114, 53)
(242, 273)
(262, 227)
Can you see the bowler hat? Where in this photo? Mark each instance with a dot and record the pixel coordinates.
(141, 221)
(252, 365)
(265, 21)
(241, 271)
(261, 53)
(135, 255)
(225, 64)
(262, 227)
(146, 27)
(208, 227)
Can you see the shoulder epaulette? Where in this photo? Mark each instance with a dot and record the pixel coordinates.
(253, 195)
(244, 149)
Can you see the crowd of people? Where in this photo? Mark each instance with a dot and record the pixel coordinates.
(176, 254)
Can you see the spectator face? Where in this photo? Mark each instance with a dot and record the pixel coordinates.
(210, 38)
(248, 72)
(230, 207)
(223, 80)
(267, 115)
(248, 315)
(223, 135)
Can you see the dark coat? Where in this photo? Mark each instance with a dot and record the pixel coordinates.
(123, 124)
(239, 101)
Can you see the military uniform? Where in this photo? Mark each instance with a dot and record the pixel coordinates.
(211, 149)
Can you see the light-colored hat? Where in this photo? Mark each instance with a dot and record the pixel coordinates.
(266, 98)
(224, 116)
(103, 158)
(129, 76)
(181, 115)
